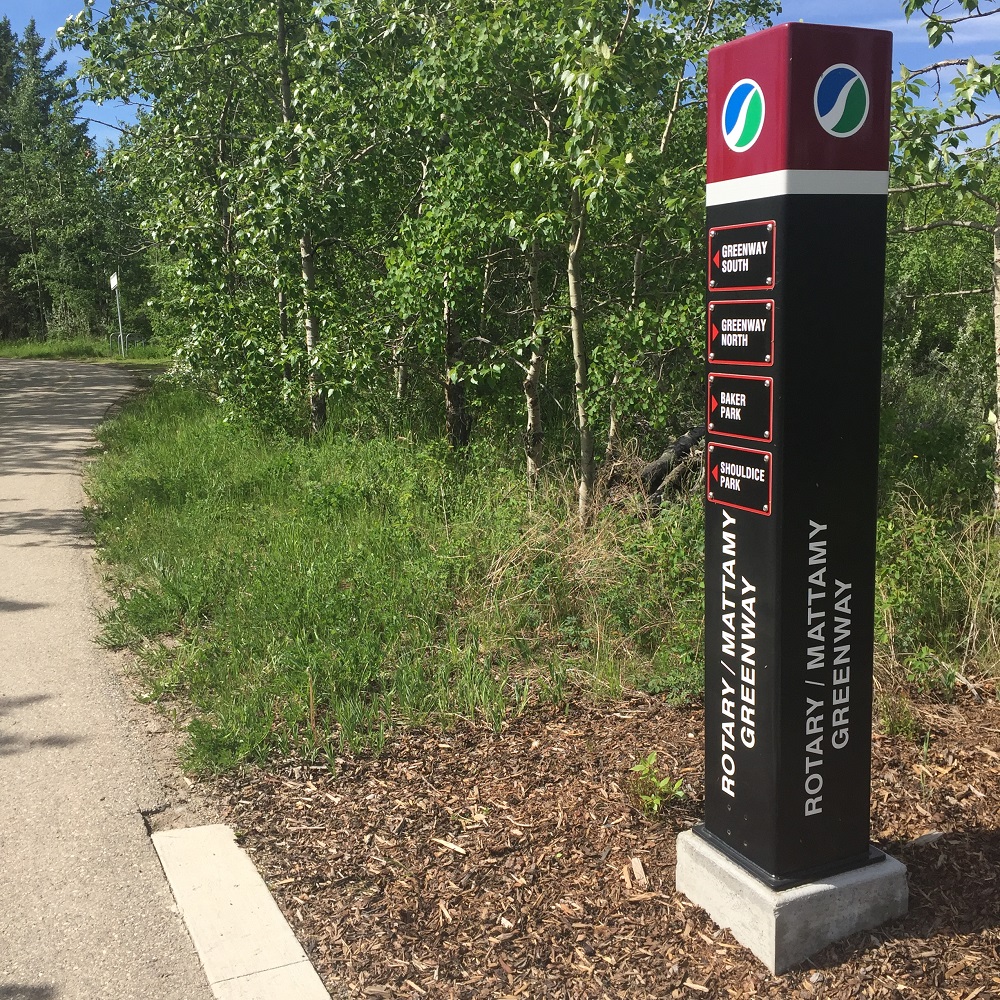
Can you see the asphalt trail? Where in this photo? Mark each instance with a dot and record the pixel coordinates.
(85, 911)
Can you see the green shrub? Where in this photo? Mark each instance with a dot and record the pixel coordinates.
(652, 788)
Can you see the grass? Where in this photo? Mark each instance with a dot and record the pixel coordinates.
(81, 349)
(307, 595)
(303, 596)
(936, 608)
(938, 595)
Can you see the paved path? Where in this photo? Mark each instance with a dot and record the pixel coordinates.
(85, 911)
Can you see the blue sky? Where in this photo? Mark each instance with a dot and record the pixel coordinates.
(980, 38)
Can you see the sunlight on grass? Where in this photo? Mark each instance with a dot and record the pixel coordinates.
(82, 349)
(325, 592)
(304, 596)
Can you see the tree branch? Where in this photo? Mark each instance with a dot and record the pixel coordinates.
(938, 66)
(984, 198)
(939, 295)
(979, 121)
(629, 15)
(97, 121)
(964, 17)
(211, 43)
(979, 227)
(941, 185)
(929, 185)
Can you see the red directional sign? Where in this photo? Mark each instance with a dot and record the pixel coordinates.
(739, 477)
(741, 332)
(741, 257)
(740, 406)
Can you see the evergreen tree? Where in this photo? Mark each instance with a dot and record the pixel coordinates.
(10, 248)
(50, 217)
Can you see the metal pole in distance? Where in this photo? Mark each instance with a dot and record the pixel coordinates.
(798, 139)
(118, 304)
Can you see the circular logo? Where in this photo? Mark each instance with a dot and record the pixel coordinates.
(841, 100)
(743, 115)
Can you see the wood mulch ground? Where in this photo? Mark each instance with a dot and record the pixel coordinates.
(466, 864)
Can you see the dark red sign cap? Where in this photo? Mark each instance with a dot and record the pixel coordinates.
(799, 97)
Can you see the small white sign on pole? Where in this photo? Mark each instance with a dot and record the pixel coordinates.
(118, 306)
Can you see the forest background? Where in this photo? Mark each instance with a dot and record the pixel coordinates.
(430, 276)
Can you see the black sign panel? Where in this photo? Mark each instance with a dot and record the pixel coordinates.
(739, 477)
(740, 406)
(790, 537)
(741, 332)
(741, 257)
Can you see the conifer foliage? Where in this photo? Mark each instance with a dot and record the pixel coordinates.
(51, 228)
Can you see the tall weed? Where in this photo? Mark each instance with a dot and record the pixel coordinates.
(937, 595)
(310, 594)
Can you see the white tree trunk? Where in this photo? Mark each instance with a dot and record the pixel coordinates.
(578, 214)
(533, 434)
(310, 322)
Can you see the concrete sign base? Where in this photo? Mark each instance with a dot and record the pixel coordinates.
(786, 927)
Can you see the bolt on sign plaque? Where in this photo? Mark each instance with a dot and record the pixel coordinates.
(741, 257)
(740, 406)
(741, 332)
(795, 237)
(739, 478)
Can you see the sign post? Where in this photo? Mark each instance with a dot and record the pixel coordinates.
(798, 127)
(118, 303)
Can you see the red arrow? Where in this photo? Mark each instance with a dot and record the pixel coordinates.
(715, 473)
(715, 332)
(715, 404)
(715, 259)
